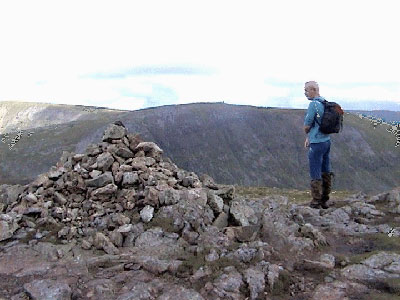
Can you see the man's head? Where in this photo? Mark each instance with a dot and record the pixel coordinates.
(311, 90)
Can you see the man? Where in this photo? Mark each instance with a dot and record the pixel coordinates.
(320, 145)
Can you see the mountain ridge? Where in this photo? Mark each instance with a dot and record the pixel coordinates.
(222, 140)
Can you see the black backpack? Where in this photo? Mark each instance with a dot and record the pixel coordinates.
(332, 120)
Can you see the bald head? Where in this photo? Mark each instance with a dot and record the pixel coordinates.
(311, 89)
(312, 84)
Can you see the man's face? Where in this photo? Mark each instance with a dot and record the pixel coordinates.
(310, 92)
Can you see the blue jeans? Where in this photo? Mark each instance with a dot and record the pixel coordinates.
(318, 156)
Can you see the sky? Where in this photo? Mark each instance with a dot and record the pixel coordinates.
(136, 54)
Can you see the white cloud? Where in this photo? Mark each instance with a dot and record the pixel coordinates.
(336, 43)
(127, 103)
(367, 92)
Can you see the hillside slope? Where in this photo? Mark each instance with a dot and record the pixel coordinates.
(121, 221)
(235, 144)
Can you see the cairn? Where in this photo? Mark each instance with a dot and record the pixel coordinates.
(100, 197)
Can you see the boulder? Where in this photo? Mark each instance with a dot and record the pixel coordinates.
(114, 132)
(48, 289)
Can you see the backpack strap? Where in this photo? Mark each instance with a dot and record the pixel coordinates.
(315, 118)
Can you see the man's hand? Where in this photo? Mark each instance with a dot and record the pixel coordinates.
(307, 143)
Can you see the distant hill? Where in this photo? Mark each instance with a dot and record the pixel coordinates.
(386, 115)
(235, 144)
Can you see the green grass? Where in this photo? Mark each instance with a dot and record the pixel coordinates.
(294, 195)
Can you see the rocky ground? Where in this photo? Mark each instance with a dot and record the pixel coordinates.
(120, 221)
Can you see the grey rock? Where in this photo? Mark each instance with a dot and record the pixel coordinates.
(114, 132)
(95, 173)
(273, 274)
(120, 219)
(107, 190)
(7, 230)
(59, 198)
(200, 273)
(149, 161)
(379, 266)
(216, 202)
(48, 250)
(188, 181)
(149, 147)
(179, 292)
(151, 196)
(77, 157)
(47, 289)
(245, 254)
(139, 163)
(212, 255)
(140, 291)
(242, 214)
(221, 221)
(124, 152)
(382, 259)
(129, 179)
(103, 243)
(365, 210)
(130, 238)
(256, 282)
(101, 289)
(340, 215)
(227, 285)
(328, 259)
(104, 161)
(10, 193)
(208, 181)
(55, 173)
(8, 225)
(125, 228)
(246, 233)
(100, 181)
(337, 290)
(326, 262)
(116, 238)
(146, 214)
(126, 168)
(152, 238)
(157, 266)
(365, 273)
(31, 198)
(226, 192)
(169, 197)
(309, 231)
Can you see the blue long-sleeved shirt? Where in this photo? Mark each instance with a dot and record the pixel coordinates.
(315, 111)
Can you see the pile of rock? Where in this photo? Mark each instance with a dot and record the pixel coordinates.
(150, 217)
(103, 197)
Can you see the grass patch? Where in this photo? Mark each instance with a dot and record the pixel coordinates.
(282, 284)
(376, 242)
(358, 258)
(385, 289)
(294, 196)
(383, 242)
(380, 296)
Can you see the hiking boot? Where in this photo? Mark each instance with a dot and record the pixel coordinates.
(326, 187)
(316, 193)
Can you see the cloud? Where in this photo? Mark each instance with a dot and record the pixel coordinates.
(364, 92)
(127, 103)
(151, 70)
(98, 53)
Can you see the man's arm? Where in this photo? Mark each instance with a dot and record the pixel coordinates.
(308, 120)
